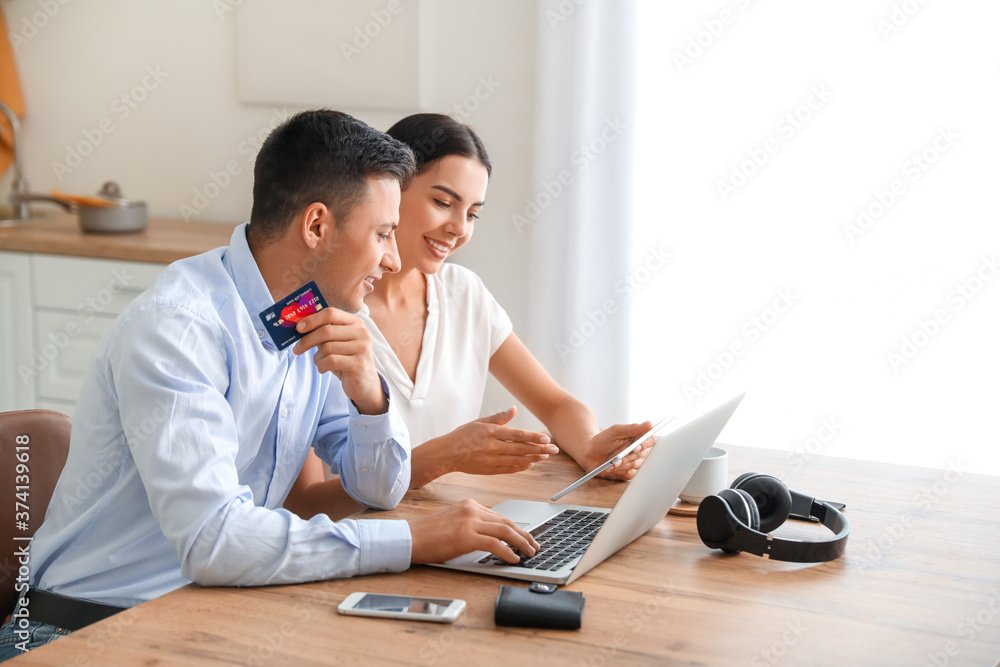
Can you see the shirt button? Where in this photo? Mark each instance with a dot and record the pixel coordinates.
(364, 470)
(260, 334)
(383, 570)
(362, 426)
(284, 413)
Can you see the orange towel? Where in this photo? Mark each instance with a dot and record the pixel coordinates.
(10, 94)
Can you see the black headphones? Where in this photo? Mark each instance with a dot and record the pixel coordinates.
(739, 519)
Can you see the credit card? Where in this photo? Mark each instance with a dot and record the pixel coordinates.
(280, 319)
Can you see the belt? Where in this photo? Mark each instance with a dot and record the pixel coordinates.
(66, 612)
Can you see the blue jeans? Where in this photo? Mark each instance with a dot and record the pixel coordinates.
(20, 635)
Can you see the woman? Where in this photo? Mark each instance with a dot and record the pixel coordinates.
(437, 331)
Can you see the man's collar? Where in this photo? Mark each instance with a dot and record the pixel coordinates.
(249, 282)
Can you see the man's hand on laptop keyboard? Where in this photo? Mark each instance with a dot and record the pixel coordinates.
(467, 527)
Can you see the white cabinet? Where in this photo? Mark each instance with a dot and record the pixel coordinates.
(67, 342)
(17, 379)
(69, 302)
(89, 286)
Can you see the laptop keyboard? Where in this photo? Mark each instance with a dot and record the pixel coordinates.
(560, 539)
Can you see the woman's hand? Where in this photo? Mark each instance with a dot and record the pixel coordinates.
(482, 447)
(608, 442)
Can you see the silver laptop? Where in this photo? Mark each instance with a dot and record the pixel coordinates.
(574, 538)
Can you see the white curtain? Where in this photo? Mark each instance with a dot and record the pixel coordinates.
(579, 218)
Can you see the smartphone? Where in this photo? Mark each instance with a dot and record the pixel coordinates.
(436, 610)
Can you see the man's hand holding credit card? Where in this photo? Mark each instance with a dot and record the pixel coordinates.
(281, 319)
(343, 344)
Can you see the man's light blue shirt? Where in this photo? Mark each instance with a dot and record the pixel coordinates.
(190, 430)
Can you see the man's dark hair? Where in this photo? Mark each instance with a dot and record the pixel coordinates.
(432, 136)
(320, 156)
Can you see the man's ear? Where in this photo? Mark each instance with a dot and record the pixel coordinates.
(316, 223)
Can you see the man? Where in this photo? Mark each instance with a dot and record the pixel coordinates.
(192, 425)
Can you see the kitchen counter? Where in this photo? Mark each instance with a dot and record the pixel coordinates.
(163, 241)
(62, 290)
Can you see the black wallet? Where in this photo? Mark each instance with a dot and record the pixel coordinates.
(539, 607)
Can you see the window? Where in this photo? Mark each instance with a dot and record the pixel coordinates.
(822, 180)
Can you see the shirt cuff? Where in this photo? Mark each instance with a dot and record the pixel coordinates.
(385, 546)
(377, 429)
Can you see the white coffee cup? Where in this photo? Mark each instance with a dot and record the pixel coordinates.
(709, 478)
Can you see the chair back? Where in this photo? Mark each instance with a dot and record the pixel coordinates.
(33, 449)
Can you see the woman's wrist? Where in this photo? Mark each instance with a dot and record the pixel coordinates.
(591, 454)
(585, 459)
(580, 450)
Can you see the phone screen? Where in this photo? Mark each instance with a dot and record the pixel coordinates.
(402, 604)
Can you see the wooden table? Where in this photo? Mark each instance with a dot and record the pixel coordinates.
(919, 585)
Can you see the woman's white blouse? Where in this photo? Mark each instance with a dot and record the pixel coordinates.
(465, 326)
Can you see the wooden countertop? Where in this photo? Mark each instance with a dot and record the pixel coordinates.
(163, 241)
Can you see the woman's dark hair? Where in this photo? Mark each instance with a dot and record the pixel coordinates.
(320, 156)
(432, 136)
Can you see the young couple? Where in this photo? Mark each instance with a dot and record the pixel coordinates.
(192, 426)
(437, 332)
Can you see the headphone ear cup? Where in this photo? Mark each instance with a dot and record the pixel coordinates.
(714, 525)
(769, 495)
(742, 506)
